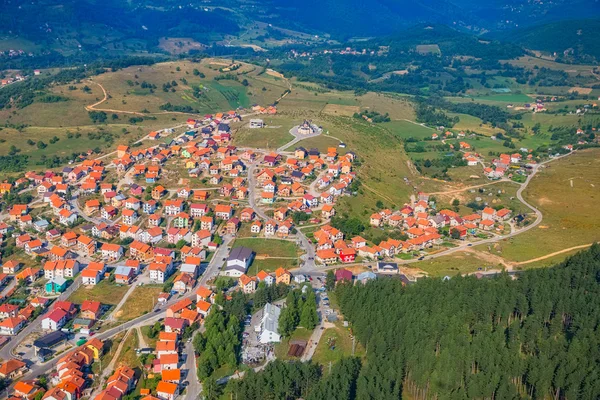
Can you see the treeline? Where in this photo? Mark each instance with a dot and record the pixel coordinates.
(294, 380)
(179, 108)
(219, 344)
(537, 336)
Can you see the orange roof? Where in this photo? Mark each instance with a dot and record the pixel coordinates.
(166, 387)
(203, 305)
(171, 375)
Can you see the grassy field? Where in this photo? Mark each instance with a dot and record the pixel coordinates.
(127, 356)
(104, 292)
(284, 251)
(139, 302)
(270, 247)
(454, 264)
(569, 212)
(322, 143)
(273, 136)
(336, 344)
(406, 129)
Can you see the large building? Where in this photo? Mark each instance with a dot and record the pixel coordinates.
(268, 328)
(238, 262)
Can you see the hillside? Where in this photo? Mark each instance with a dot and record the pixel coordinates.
(574, 40)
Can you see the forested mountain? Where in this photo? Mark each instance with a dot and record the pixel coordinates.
(574, 40)
(534, 337)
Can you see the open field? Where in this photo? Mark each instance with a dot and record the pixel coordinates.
(284, 251)
(139, 302)
(569, 212)
(104, 292)
(454, 264)
(322, 143)
(341, 110)
(428, 49)
(127, 356)
(270, 247)
(274, 135)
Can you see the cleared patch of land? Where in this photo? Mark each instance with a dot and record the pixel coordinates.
(341, 110)
(104, 292)
(335, 344)
(139, 302)
(428, 49)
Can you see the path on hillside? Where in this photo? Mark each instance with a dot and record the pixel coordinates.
(94, 107)
(454, 191)
(583, 246)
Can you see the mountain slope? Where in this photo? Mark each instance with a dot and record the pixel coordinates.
(574, 40)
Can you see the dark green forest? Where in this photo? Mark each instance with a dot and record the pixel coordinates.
(537, 336)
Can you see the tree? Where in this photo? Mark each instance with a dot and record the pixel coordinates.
(379, 204)
(309, 317)
(210, 389)
(330, 280)
(454, 234)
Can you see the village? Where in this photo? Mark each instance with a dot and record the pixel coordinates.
(168, 216)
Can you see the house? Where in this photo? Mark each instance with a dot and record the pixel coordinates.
(159, 272)
(255, 227)
(11, 267)
(56, 285)
(90, 310)
(55, 320)
(203, 307)
(175, 325)
(343, 275)
(11, 326)
(327, 256)
(8, 310)
(90, 276)
(124, 275)
(223, 212)
(238, 261)
(111, 251)
(347, 255)
(282, 275)
(247, 284)
(269, 324)
(167, 390)
(183, 283)
(12, 369)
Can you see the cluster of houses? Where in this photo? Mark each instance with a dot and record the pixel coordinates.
(72, 377)
(419, 222)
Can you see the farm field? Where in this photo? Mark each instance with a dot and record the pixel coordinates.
(569, 210)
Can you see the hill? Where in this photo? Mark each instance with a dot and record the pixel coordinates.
(573, 40)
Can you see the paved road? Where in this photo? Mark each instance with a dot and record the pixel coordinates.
(299, 137)
(305, 244)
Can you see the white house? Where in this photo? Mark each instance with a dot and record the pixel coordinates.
(55, 320)
(268, 328)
